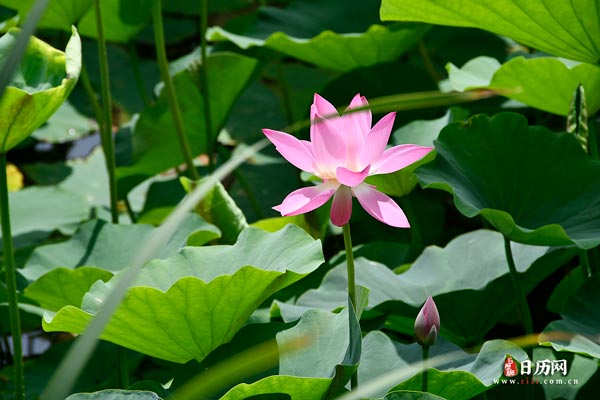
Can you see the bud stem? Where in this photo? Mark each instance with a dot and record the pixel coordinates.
(425, 376)
(351, 283)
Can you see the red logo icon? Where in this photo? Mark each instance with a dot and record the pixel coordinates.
(510, 367)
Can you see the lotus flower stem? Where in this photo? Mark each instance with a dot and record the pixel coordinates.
(11, 283)
(514, 275)
(351, 283)
(350, 264)
(425, 376)
(204, 82)
(161, 55)
(106, 121)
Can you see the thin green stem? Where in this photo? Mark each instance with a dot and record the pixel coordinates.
(204, 83)
(161, 55)
(514, 275)
(350, 264)
(351, 283)
(137, 73)
(11, 283)
(425, 376)
(106, 121)
(130, 212)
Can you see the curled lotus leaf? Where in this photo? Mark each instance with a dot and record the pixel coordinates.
(43, 81)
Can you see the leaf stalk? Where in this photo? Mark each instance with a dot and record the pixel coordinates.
(161, 56)
(106, 121)
(11, 282)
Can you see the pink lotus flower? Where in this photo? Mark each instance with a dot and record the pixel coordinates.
(427, 324)
(343, 151)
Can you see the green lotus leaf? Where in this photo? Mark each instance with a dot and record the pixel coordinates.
(155, 145)
(59, 14)
(61, 287)
(327, 335)
(519, 178)
(295, 387)
(579, 371)
(566, 29)
(577, 331)
(184, 307)
(340, 35)
(546, 83)
(43, 81)
(37, 211)
(121, 19)
(115, 394)
(108, 246)
(474, 374)
(469, 290)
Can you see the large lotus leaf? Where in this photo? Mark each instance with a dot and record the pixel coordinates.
(184, 307)
(520, 178)
(115, 394)
(121, 19)
(337, 34)
(288, 387)
(327, 335)
(108, 246)
(44, 79)
(61, 287)
(567, 29)
(579, 369)
(467, 379)
(546, 83)
(333, 347)
(88, 178)
(577, 332)
(59, 14)
(37, 211)
(155, 145)
(469, 279)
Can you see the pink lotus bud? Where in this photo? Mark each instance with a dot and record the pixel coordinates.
(427, 324)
